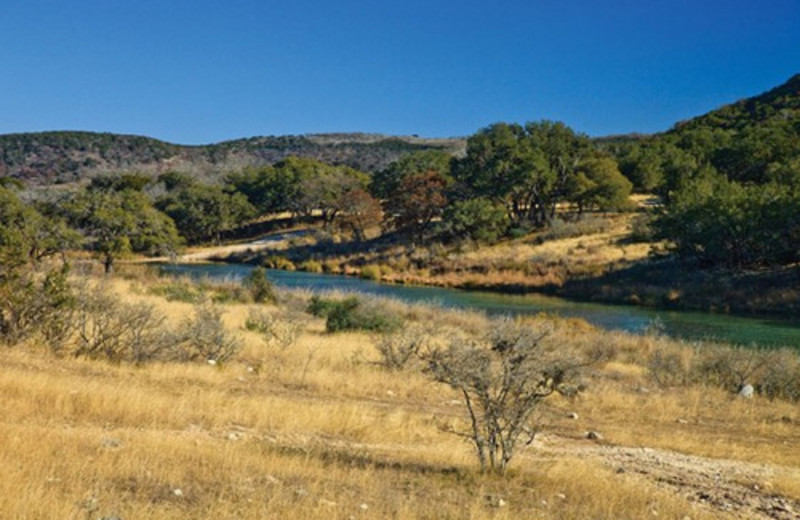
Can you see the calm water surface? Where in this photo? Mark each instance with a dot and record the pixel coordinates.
(762, 331)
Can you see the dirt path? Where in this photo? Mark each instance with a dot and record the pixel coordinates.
(724, 486)
(277, 241)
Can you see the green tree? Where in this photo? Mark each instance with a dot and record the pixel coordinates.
(26, 235)
(599, 184)
(269, 189)
(386, 182)
(717, 222)
(477, 219)
(326, 189)
(204, 212)
(117, 223)
(528, 168)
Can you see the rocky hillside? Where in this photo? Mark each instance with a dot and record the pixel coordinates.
(66, 156)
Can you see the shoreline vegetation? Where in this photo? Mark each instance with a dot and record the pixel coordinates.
(595, 259)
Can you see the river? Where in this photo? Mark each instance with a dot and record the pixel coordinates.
(741, 330)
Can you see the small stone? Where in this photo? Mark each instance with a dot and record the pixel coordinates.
(501, 503)
(595, 436)
(390, 393)
(747, 391)
(178, 492)
(212, 362)
(681, 421)
(572, 415)
(108, 442)
(562, 496)
(363, 506)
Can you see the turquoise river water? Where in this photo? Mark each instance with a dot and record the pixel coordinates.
(743, 330)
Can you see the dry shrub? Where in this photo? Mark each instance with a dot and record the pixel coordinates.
(668, 367)
(204, 336)
(503, 378)
(281, 329)
(110, 329)
(401, 347)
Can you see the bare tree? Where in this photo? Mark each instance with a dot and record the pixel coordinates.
(502, 378)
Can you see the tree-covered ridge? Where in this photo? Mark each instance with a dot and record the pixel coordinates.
(69, 156)
(64, 156)
(779, 103)
(730, 181)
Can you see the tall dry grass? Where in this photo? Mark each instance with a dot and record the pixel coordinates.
(319, 429)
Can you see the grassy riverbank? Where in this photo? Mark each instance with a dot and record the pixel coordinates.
(318, 427)
(596, 258)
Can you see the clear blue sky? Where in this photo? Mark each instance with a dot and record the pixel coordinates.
(201, 71)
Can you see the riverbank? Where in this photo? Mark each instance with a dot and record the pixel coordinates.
(593, 260)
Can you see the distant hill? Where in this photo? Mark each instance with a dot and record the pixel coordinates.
(70, 156)
(781, 103)
(754, 140)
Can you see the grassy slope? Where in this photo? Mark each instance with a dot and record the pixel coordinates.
(318, 430)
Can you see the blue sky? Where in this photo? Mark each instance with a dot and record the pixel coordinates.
(203, 71)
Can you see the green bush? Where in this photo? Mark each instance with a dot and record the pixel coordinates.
(311, 266)
(479, 219)
(260, 287)
(350, 314)
(371, 272)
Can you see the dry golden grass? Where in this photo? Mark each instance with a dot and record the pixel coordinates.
(319, 430)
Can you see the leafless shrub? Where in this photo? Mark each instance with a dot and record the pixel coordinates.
(502, 379)
(399, 348)
(108, 328)
(282, 330)
(204, 336)
(668, 368)
(731, 368)
(781, 377)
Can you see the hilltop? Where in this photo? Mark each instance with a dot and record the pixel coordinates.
(68, 156)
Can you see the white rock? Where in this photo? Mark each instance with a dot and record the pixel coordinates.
(178, 492)
(747, 391)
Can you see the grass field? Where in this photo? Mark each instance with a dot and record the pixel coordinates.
(319, 429)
